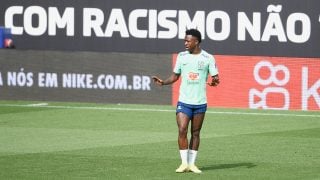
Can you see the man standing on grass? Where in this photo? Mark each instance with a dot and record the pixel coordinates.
(193, 65)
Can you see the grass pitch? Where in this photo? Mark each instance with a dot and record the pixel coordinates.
(97, 141)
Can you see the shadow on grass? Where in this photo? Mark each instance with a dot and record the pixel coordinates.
(14, 110)
(227, 166)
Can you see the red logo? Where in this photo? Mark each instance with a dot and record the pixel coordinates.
(193, 76)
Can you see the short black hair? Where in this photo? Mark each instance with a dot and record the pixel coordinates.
(195, 33)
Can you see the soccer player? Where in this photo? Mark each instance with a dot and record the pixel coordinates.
(193, 65)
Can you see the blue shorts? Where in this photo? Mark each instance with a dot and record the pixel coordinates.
(191, 110)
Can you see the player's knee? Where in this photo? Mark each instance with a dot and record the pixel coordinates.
(195, 134)
(183, 132)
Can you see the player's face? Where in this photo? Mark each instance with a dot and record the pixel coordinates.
(190, 43)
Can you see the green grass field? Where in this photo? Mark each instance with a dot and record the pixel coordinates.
(100, 141)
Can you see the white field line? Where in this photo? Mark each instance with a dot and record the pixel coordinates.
(45, 105)
(38, 104)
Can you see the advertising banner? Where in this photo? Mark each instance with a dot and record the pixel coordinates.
(83, 77)
(106, 51)
(287, 28)
(260, 82)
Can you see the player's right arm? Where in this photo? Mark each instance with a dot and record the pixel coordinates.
(173, 78)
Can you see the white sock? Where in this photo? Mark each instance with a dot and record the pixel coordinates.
(184, 156)
(192, 155)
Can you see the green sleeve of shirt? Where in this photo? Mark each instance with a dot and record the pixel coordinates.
(177, 67)
(213, 69)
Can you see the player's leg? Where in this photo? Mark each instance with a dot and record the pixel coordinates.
(196, 125)
(182, 122)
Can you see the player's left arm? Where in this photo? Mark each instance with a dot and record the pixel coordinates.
(214, 80)
(213, 70)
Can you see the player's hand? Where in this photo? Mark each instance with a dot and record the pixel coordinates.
(157, 80)
(215, 81)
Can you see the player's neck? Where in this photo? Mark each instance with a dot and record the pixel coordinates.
(195, 51)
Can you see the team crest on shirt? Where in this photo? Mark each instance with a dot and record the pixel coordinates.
(201, 65)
